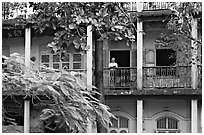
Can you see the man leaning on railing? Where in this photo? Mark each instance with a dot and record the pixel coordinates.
(112, 65)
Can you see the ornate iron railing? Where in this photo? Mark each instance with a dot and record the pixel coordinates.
(132, 6)
(156, 5)
(122, 78)
(165, 76)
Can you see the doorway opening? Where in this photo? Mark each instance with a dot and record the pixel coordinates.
(165, 57)
(120, 77)
(122, 58)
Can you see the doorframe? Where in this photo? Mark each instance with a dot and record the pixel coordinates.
(130, 50)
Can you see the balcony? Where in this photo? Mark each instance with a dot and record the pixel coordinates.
(124, 78)
(167, 77)
(153, 77)
(132, 6)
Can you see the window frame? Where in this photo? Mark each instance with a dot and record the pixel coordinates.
(118, 129)
(70, 62)
(167, 130)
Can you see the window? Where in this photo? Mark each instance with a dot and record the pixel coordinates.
(70, 61)
(167, 125)
(76, 61)
(119, 125)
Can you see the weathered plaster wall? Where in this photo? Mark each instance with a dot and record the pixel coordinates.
(179, 107)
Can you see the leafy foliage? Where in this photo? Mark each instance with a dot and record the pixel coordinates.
(70, 19)
(183, 14)
(70, 102)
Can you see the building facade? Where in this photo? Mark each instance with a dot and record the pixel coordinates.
(147, 92)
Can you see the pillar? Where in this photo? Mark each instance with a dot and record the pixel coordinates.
(26, 116)
(194, 69)
(89, 55)
(194, 116)
(139, 55)
(89, 68)
(27, 64)
(139, 116)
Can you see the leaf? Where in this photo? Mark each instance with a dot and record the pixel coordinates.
(72, 26)
(56, 76)
(87, 47)
(53, 90)
(119, 27)
(76, 44)
(46, 114)
(64, 90)
(120, 38)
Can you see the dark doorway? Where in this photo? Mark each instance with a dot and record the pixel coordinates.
(121, 57)
(165, 57)
(121, 75)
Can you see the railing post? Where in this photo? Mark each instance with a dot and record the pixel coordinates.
(139, 55)
(139, 6)
(194, 68)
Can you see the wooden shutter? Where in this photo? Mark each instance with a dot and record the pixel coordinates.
(144, 57)
(134, 58)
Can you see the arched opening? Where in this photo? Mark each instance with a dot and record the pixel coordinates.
(119, 125)
(167, 125)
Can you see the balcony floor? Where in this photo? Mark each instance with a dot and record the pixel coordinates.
(156, 91)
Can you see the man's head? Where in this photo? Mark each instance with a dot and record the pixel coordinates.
(113, 59)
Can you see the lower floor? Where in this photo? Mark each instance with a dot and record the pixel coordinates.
(155, 114)
(135, 114)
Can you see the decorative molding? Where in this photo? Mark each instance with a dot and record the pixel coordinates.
(124, 114)
(167, 113)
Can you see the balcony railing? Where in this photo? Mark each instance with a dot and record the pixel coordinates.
(163, 77)
(132, 6)
(156, 5)
(120, 78)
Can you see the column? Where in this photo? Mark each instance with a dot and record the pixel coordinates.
(89, 55)
(26, 116)
(194, 116)
(139, 55)
(27, 64)
(194, 69)
(89, 67)
(139, 116)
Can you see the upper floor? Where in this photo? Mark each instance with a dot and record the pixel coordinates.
(163, 65)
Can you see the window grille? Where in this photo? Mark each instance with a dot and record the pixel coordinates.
(167, 125)
(119, 125)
